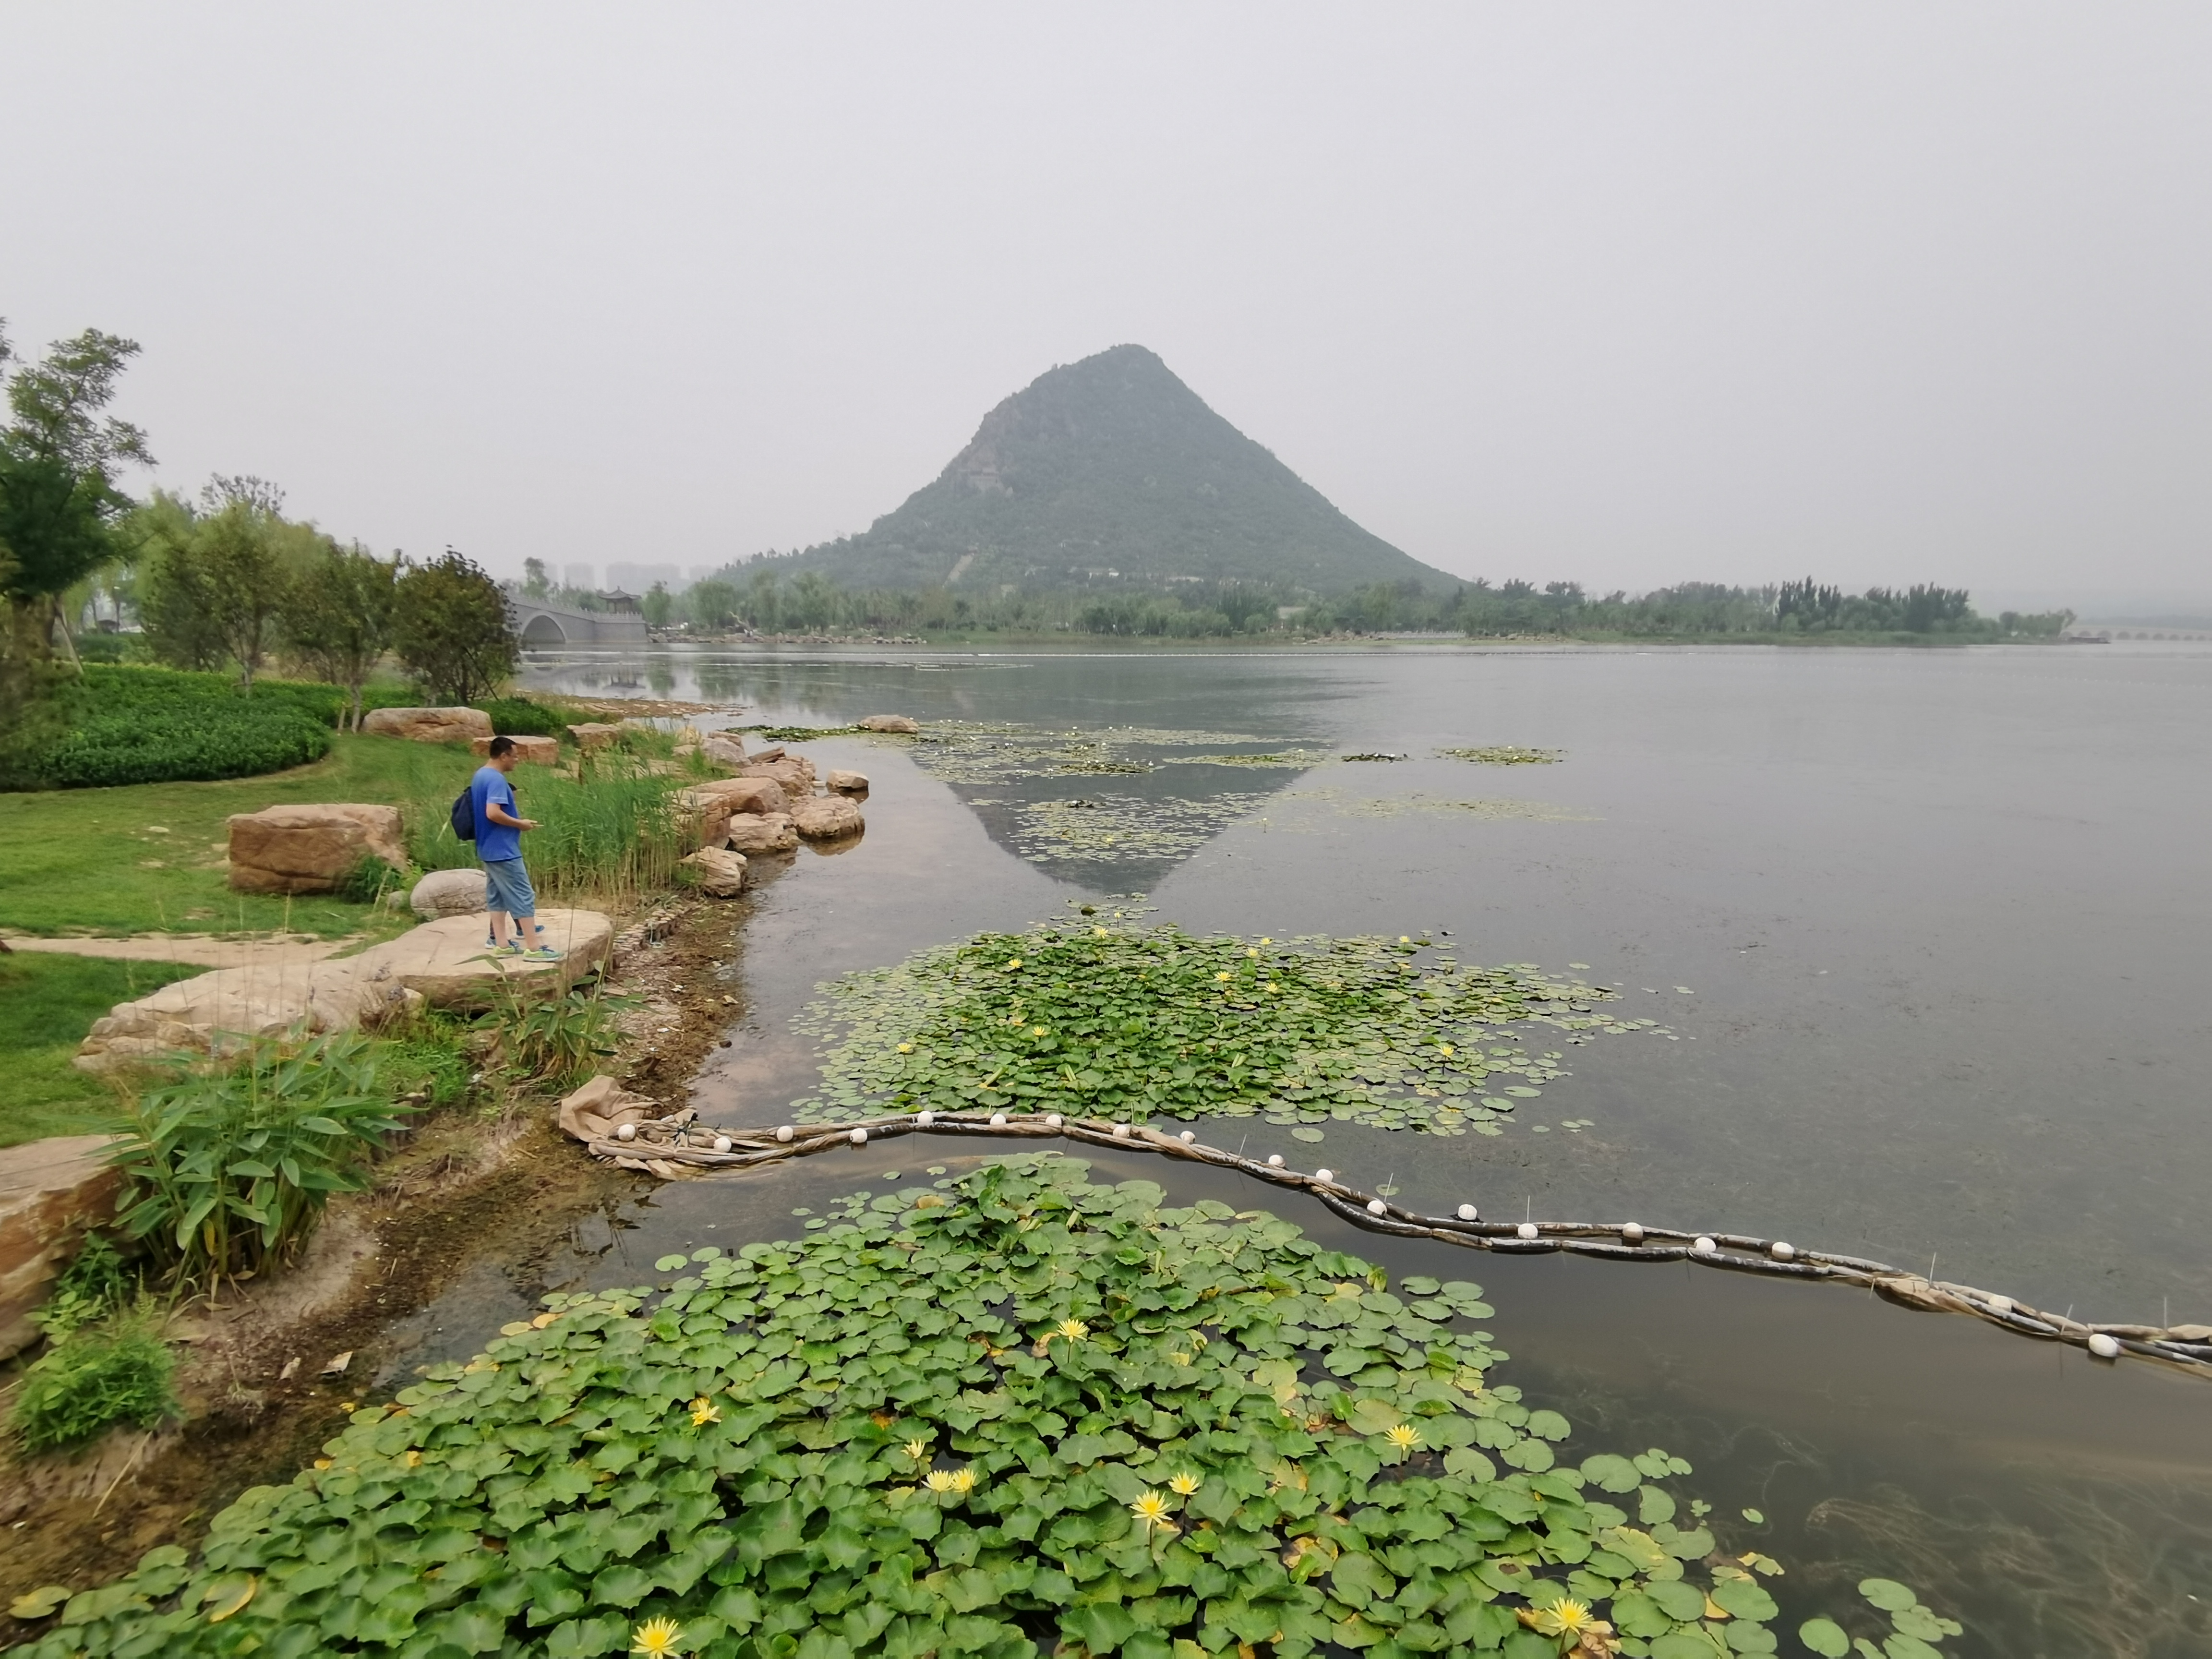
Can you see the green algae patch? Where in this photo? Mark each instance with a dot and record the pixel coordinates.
(1014, 1414)
(1133, 1021)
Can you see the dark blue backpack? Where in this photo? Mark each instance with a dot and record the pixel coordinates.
(465, 814)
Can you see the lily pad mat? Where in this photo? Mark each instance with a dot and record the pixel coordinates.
(1015, 1413)
(1119, 1018)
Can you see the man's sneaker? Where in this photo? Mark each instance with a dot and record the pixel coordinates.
(512, 948)
(539, 953)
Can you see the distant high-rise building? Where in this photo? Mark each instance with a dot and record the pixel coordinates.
(638, 578)
(579, 575)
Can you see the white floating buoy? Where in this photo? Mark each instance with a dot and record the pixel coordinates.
(1631, 1234)
(1377, 1207)
(1052, 1119)
(925, 1118)
(1527, 1229)
(1999, 1305)
(1275, 1160)
(998, 1120)
(1703, 1245)
(2105, 1347)
(1121, 1131)
(1187, 1136)
(1782, 1252)
(859, 1137)
(721, 1143)
(784, 1133)
(1468, 1213)
(626, 1132)
(1324, 1175)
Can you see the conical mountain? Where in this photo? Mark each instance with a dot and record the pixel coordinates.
(1111, 471)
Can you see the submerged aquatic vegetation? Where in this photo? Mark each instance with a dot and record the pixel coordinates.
(1137, 1021)
(1118, 828)
(550, 1498)
(1394, 806)
(976, 752)
(1506, 754)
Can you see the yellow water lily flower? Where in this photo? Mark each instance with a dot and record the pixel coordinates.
(906, 1047)
(1445, 1049)
(1254, 954)
(1221, 976)
(1267, 941)
(1098, 932)
(1565, 1617)
(964, 1479)
(657, 1638)
(917, 1450)
(1405, 1436)
(1152, 1510)
(1015, 963)
(1184, 1484)
(1036, 1030)
(1402, 940)
(1074, 1329)
(939, 1480)
(703, 1412)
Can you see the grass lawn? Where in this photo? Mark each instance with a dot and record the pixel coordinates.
(46, 1005)
(148, 858)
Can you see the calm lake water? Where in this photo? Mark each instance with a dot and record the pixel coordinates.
(1930, 932)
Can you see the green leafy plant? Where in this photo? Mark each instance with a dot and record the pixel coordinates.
(227, 1171)
(1010, 1414)
(1135, 1021)
(558, 1039)
(92, 1286)
(96, 1377)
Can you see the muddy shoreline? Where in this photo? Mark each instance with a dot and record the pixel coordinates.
(488, 1179)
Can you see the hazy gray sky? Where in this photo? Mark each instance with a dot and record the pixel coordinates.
(1630, 294)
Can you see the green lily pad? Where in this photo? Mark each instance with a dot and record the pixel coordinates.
(1825, 1638)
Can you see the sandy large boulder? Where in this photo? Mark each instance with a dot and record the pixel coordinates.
(310, 849)
(771, 832)
(536, 751)
(755, 795)
(846, 783)
(721, 872)
(50, 1192)
(448, 893)
(794, 772)
(444, 961)
(441, 963)
(889, 723)
(594, 734)
(724, 750)
(429, 724)
(826, 818)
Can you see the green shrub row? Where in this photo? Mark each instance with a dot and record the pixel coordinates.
(127, 723)
(196, 743)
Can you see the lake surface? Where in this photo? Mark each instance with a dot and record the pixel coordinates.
(1930, 936)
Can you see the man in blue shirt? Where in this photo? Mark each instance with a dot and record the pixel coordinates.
(499, 844)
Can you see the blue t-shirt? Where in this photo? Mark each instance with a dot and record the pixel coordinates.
(494, 842)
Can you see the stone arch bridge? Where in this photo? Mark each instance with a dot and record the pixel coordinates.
(550, 625)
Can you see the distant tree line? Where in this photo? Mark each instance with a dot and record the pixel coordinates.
(762, 599)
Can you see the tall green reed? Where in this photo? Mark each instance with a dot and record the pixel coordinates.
(609, 830)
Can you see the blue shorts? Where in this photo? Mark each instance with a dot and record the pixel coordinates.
(506, 887)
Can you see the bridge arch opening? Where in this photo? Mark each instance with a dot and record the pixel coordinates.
(541, 630)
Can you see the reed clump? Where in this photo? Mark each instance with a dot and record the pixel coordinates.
(608, 829)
